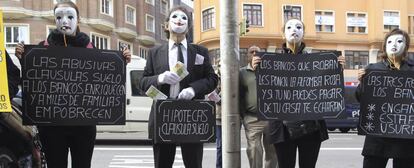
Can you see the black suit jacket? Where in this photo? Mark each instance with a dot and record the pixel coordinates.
(201, 77)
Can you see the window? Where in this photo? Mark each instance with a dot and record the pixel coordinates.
(149, 23)
(321, 50)
(356, 59)
(253, 13)
(56, 1)
(49, 29)
(100, 41)
(214, 56)
(135, 79)
(164, 7)
(150, 2)
(324, 21)
(163, 33)
(122, 44)
(106, 7)
(15, 34)
(356, 22)
(130, 14)
(391, 20)
(143, 52)
(208, 19)
(411, 24)
(290, 12)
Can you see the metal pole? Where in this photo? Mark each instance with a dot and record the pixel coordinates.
(229, 53)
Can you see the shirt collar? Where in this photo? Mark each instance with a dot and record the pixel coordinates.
(249, 67)
(171, 43)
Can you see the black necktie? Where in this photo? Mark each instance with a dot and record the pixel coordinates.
(180, 56)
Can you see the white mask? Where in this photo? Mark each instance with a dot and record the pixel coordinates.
(66, 20)
(395, 45)
(178, 21)
(294, 31)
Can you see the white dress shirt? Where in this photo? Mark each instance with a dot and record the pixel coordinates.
(172, 60)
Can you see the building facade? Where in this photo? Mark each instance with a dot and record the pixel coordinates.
(111, 24)
(355, 27)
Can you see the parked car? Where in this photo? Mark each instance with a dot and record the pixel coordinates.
(138, 106)
(351, 110)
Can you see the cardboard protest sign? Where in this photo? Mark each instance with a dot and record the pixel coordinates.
(73, 86)
(184, 121)
(387, 104)
(300, 87)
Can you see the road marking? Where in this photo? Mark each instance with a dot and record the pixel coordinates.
(205, 149)
(140, 161)
(341, 149)
(341, 138)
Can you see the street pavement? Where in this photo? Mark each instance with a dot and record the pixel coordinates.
(342, 150)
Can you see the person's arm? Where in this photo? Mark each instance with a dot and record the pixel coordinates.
(242, 95)
(149, 77)
(13, 76)
(358, 91)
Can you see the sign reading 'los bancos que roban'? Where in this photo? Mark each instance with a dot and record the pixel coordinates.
(300, 87)
(73, 86)
(387, 104)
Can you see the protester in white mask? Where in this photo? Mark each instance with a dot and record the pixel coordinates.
(178, 22)
(58, 140)
(378, 150)
(286, 144)
(293, 33)
(66, 19)
(200, 81)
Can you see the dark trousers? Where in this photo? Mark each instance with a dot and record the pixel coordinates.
(219, 161)
(58, 140)
(380, 162)
(164, 155)
(308, 147)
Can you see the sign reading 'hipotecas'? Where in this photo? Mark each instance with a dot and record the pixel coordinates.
(300, 87)
(387, 104)
(73, 86)
(184, 121)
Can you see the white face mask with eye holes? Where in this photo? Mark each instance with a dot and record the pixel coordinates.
(66, 20)
(395, 45)
(178, 22)
(294, 31)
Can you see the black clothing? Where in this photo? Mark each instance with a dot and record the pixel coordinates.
(164, 155)
(308, 144)
(13, 76)
(278, 130)
(58, 139)
(380, 162)
(308, 147)
(56, 38)
(387, 147)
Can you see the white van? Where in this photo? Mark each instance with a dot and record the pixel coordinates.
(138, 107)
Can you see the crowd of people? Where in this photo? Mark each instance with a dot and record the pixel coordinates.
(270, 144)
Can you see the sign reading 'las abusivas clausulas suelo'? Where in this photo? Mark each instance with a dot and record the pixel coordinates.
(73, 86)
